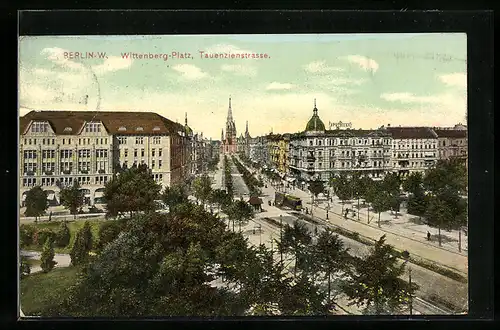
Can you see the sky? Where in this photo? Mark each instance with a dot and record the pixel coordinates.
(368, 80)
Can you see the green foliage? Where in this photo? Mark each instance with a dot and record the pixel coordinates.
(26, 233)
(239, 212)
(82, 246)
(251, 181)
(72, 198)
(108, 231)
(132, 190)
(47, 257)
(228, 179)
(417, 204)
(341, 187)
(36, 202)
(174, 195)
(63, 235)
(375, 280)
(24, 267)
(447, 176)
(413, 183)
(221, 198)
(41, 236)
(202, 187)
(295, 239)
(316, 187)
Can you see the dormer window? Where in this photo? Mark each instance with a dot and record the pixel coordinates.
(68, 129)
(122, 128)
(139, 129)
(93, 127)
(156, 128)
(39, 127)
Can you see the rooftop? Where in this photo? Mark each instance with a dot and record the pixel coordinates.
(411, 132)
(115, 122)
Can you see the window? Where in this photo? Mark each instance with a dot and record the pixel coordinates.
(156, 128)
(152, 164)
(122, 140)
(156, 139)
(310, 143)
(135, 153)
(39, 127)
(29, 154)
(106, 142)
(139, 140)
(139, 129)
(153, 152)
(142, 152)
(319, 142)
(69, 141)
(122, 128)
(159, 152)
(125, 152)
(93, 127)
(159, 163)
(64, 141)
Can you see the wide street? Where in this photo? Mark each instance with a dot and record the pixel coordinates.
(431, 284)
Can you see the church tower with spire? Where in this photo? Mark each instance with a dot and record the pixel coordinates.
(229, 141)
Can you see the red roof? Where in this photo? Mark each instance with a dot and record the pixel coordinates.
(113, 121)
(451, 133)
(411, 133)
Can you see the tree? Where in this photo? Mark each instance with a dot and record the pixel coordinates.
(370, 191)
(36, 202)
(174, 195)
(330, 257)
(220, 197)
(358, 187)
(413, 183)
(303, 297)
(316, 187)
(26, 233)
(82, 246)
(133, 190)
(202, 187)
(417, 204)
(391, 187)
(63, 235)
(239, 211)
(439, 215)
(108, 232)
(72, 198)
(295, 239)
(341, 187)
(375, 280)
(381, 203)
(446, 176)
(47, 262)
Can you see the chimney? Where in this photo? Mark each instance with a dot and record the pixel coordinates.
(388, 125)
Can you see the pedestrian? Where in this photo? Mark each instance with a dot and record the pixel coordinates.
(346, 213)
(326, 214)
(307, 211)
(50, 215)
(316, 230)
(428, 236)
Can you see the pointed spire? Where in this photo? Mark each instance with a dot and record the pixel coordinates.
(229, 111)
(246, 130)
(315, 110)
(222, 135)
(186, 119)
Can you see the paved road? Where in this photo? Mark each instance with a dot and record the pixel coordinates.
(63, 260)
(239, 186)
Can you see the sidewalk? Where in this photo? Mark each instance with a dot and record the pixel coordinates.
(414, 243)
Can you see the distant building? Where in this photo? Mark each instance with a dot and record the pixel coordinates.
(452, 144)
(229, 142)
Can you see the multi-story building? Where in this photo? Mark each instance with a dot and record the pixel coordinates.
(413, 149)
(58, 148)
(321, 153)
(452, 144)
(243, 142)
(283, 153)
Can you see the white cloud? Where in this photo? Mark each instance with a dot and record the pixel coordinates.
(409, 98)
(226, 48)
(279, 86)
(113, 63)
(56, 55)
(321, 67)
(238, 69)
(190, 72)
(454, 79)
(364, 62)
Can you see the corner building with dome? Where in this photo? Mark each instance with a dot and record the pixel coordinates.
(320, 153)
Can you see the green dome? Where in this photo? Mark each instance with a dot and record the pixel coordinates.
(315, 124)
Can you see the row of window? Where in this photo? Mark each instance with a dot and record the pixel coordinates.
(139, 140)
(413, 155)
(349, 164)
(67, 153)
(65, 181)
(153, 153)
(64, 141)
(153, 163)
(64, 166)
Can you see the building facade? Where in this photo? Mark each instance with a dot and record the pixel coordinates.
(229, 142)
(321, 153)
(414, 149)
(58, 148)
(452, 144)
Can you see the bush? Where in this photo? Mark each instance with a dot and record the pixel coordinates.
(83, 244)
(41, 236)
(24, 267)
(47, 262)
(63, 235)
(26, 233)
(108, 232)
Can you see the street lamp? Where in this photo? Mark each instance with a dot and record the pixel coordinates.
(406, 256)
